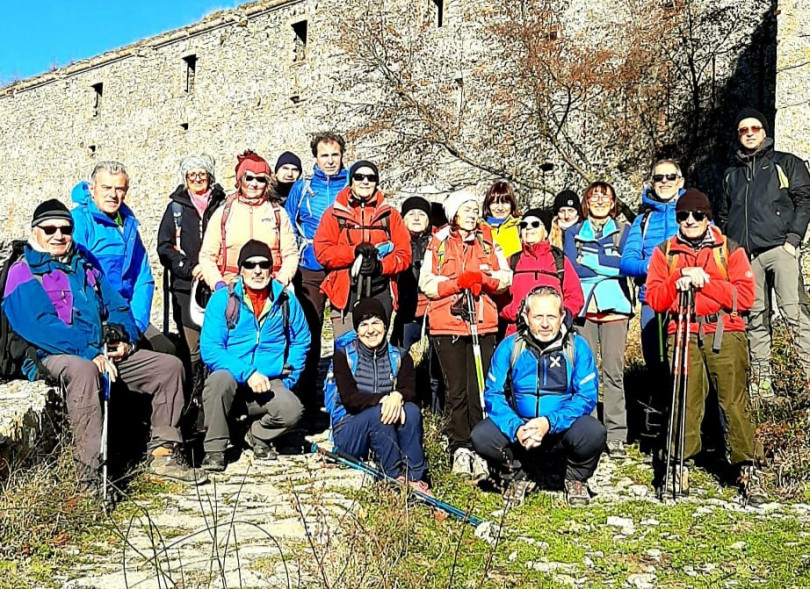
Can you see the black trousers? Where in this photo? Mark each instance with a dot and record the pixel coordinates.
(307, 285)
(581, 444)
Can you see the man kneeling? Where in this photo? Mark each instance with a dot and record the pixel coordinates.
(369, 397)
(554, 384)
(254, 341)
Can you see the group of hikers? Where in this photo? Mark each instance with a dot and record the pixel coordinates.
(492, 317)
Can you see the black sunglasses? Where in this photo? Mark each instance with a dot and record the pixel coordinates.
(698, 216)
(264, 265)
(358, 177)
(525, 224)
(668, 177)
(259, 179)
(51, 229)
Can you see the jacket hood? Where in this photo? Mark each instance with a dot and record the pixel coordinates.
(648, 198)
(766, 147)
(80, 194)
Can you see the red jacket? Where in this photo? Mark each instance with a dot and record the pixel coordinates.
(363, 222)
(716, 295)
(536, 267)
(446, 258)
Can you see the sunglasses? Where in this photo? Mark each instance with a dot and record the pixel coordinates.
(259, 179)
(527, 224)
(264, 265)
(698, 216)
(753, 129)
(667, 177)
(197, 175)
(357, 177)
(52, 229)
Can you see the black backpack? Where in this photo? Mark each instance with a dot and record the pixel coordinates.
(14, 349)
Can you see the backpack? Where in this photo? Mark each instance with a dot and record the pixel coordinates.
(559, 263)
(14, 349)
(721, 255)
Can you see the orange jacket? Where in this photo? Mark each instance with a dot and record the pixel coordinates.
(717, 294)
(363, 222)
(446, 258)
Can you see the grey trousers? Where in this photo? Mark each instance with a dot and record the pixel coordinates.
(145, 372)
(277, 411)
(612, 337)
(779, 269)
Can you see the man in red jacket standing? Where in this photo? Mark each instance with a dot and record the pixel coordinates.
(701, 258)
(363, 244)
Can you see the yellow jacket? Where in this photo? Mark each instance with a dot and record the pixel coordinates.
(508, 236)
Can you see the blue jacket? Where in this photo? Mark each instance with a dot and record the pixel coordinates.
(305, 209)
(62, 308)
(596, 257)
(255, 344)
(118, 251)
(639, 245)
(559, 383)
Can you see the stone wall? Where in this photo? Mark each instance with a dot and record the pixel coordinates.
(793, 78)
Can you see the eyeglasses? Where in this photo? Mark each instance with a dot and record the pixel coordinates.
(745, 130)
(264, 265)
(52, 229)
(597, 196)
(197, 175)
(527, 224)
(667, 177)
(259, 179)
(358, 177)
(698, 216)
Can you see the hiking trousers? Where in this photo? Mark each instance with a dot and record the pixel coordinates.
(307, 284)
(144, 372)
(277, 410)
(726, 371)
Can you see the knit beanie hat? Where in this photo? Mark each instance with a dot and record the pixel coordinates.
(51, 210)
(286, 158)
(694, 200)
(567, 198)
(197, 162)
(368, 307)
(364, 164)
(416, 203)
(254, 249)
(751, 113)
(454, 201)
(542, 214)
(250, 161)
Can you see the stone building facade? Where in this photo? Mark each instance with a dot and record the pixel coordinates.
(793, 78)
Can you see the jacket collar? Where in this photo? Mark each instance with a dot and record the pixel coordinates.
(650, 200)
(586, 231)
(713, 238)
(41, 262)
(537, 249)
(764, 150)
(339, 177)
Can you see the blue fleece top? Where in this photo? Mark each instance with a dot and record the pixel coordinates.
(64, 312)
(117, 251)
(255, 344)
(639, 246)
(306, 209)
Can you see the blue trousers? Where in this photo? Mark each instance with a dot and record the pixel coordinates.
(398, 447)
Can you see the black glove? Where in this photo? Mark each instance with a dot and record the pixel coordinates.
(114, 333)
(371, 265)
(366, 250)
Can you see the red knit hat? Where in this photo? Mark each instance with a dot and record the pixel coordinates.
(250, 161)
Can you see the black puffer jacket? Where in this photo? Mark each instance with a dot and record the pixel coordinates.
(408, 280)
(191, 232)
(766, 199)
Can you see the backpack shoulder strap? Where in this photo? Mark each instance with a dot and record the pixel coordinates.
(226, 212)
(721, 255)
(672, 259)
(513, 260)
(559, 262)
(177, 215)
(232, 308)
(517, 349)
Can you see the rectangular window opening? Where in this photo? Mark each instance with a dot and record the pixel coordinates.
(191, 72)
(98, 92)
(184, 126)
(300, 42)
(295, 98)
(438, 8)
(92, 151)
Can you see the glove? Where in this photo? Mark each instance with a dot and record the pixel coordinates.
(470, 278)
(371, 266)
(366, 250)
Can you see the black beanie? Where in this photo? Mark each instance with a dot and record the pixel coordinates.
(287, 157)
(567, 198)
(542, 214)
(254, 249)
(368, 307)
(416, 203)
(694, 200)
(50, 210)
(363, 164)
(751, 113)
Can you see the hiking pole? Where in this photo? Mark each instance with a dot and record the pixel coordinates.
(479, 364)
(675, 384)
(684, 381)
(358, 464)
(106, 384)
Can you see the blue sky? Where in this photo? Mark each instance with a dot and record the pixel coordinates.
(36, 35)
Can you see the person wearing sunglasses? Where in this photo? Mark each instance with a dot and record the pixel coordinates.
(539, 263)
(61, 302)
(765, 207)
(501, 214)
(254, 340)
(248, 213)
(362, 244)
(699, 258)
(595, 247)
(178, 245)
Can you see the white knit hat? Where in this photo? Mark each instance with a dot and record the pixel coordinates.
(454, 201)
(197, 162)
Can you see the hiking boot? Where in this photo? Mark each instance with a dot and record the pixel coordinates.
(261, 449)
(576, 493)
(169, 463)
(615, 449)
(750, 487)
(462, 462)
(517, 491)
(480, 469)
(214, 462)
